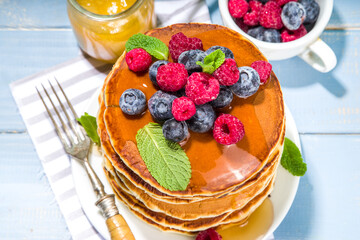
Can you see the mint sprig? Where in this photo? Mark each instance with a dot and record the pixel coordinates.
(212, 61)
(292, 160)
(89, 124)
(166, 160)
(155, 47)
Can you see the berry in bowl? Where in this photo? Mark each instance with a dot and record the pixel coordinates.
(283, 28)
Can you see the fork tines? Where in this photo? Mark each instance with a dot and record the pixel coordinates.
(72, 134)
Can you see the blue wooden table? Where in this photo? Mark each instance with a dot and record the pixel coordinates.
(35, 35)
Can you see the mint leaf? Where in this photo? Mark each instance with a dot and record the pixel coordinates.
(166, 160)
(212, 61)
(155, 47)
(292, 160)
(89, 124)
(206, 68)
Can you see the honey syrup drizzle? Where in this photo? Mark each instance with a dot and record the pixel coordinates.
(256, 226)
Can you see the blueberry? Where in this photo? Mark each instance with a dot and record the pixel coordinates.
(160, 105)
(312, 9)
(271, 35)
(248, 83)
(228, 52)
(257, 32)
(154, 68)
(132, 101)
(224, 98)
(174, 130)
(189, 59)
(203, 120)
(293, 15)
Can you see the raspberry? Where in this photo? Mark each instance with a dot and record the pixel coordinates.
(179, 43)
(171, 77)
(264, 70)
(283, 2)
(202, 88)
(270, 15)
(238, 8)
(252, 18)
(228, 129)
(138, 60)
(228, 73)
(208, 234)
(183, 108)
(241, 24)
(288, 36)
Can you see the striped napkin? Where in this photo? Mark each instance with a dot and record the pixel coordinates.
(80, 78)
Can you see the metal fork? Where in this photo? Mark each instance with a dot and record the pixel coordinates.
(77, 144)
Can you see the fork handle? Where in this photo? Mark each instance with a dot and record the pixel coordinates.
(117, 226)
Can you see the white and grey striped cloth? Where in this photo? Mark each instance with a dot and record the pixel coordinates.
(80, 78)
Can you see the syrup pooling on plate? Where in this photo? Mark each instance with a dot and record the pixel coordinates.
(214, 167)
(255, 227)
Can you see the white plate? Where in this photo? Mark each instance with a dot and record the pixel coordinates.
(285, 183)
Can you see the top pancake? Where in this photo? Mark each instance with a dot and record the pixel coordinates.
(215, 168)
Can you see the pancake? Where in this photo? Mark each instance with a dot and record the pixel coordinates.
(169, 223)
(228, 182)
(205, 208)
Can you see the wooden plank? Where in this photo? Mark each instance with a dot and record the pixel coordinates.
(53, 14)
(33, 14)
(24, 53)
(28, 209)
(327, 202)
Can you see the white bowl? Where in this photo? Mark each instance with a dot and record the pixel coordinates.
(309, 47)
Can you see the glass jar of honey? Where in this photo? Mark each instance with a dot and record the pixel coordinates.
(102, 27)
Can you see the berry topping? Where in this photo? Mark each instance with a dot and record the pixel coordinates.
(174, 130)
(208, 234)
(288, 36)
(203, 120)
(252, 18)
(138, 60)
(228, 129)
(238, 8)
(312, 9)
(183, 108)
(241, 24)
(248, 83)
(228, 52)
(189, 59)
(271, 35)
(132, 101)
(257, 32)
(154, 69)
(264, 70)
(160, 106)
(293, 15)
(283, 2)
(270, 15)
(171, 77)
(227, 74)
(179, 43)
(202, 88)
(224, 98)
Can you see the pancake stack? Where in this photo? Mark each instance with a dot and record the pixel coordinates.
(228, 182)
